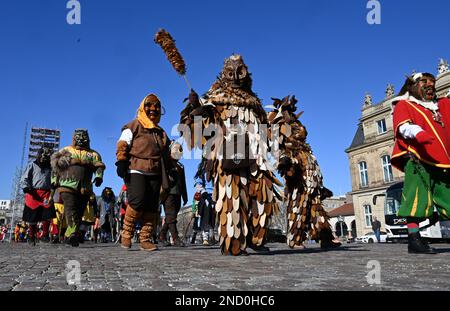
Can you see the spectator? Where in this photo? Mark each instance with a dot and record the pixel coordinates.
(376, 227)
(172, 202)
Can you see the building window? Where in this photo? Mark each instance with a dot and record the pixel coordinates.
(382, 126)
(387, 168)
(368, 215)
(363, 175)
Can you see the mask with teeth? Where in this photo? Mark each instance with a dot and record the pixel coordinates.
(81, 139)
(43, 157)
(176, 151)
(422, 86)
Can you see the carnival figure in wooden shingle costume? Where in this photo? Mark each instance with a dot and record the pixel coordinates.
(230, 125)
(422, 151)
(143, 163)
(304, 190)
(236, 160)
(73, 168)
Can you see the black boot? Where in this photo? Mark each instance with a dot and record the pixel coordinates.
(81, 237)
(73, 240)
(194, 237)
(32, 241)
(163, 237)
(417, 246)
(177, 242)
(327, 239)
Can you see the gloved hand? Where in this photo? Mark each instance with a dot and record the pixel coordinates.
(122, 168)
(98, 182)
(26, 190)
(424, 138)
(193, 99)
(193, 103)
(173, 174)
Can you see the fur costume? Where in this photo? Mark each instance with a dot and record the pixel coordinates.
(73, 168)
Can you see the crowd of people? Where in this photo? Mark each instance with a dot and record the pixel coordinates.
(61, 206)
(60, 203)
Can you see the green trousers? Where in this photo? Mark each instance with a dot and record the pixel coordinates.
(425, 187)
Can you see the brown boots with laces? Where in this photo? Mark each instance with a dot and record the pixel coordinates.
(149, 222)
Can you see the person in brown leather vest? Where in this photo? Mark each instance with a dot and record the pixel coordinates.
(142, 161)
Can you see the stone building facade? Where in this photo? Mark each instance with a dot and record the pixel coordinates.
(370, 151)
(5, 211)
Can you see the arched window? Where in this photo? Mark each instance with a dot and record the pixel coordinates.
(387, 168)
(367, 215)
(363, 174)
(341, 229)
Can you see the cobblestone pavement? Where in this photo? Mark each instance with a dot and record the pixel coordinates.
(108, 267)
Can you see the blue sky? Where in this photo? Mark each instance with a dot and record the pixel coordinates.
(94, 75)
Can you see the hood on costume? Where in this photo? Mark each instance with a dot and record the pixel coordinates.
(142, 116)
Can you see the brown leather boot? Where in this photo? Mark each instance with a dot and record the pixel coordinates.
(129, 224)
(149, 223)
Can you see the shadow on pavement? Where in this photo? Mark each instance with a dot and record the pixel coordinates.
(442, 250)
(308, 251)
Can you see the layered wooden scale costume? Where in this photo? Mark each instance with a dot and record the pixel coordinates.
(232, 128)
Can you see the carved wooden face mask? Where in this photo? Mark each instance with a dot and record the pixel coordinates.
(81, 138)
(235, 73)
(176, 151)
(424, 88)
(43, 156)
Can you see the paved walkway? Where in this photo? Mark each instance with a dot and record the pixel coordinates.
(108, 267)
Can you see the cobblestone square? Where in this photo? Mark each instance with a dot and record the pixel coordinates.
(106, 267)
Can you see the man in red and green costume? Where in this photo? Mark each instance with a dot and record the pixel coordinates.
(422, 151)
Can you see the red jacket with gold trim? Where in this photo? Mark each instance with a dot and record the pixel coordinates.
(438, 152)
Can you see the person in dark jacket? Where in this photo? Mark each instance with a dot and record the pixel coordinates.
(207, 213)
(36, 186)
(107, 207)
(172, 203)
(376, 227)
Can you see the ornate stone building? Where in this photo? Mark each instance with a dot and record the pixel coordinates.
(5, 211)
(370, 153)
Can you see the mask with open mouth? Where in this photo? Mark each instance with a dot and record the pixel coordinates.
(43, 157)
(424, 87)
(81, 139)
(176, 151)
